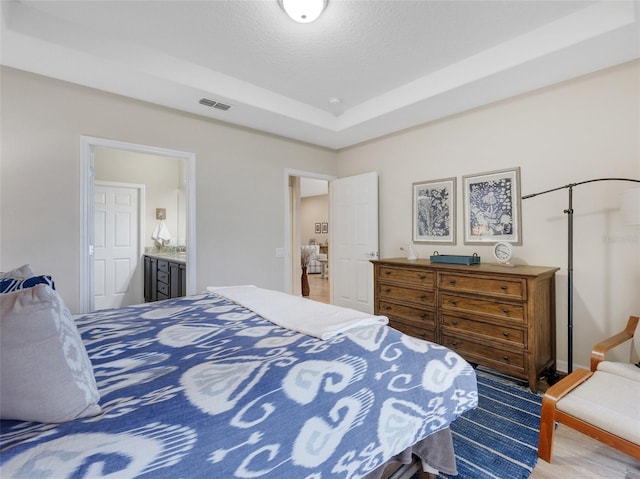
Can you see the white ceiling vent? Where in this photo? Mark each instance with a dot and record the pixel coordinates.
(214, 104)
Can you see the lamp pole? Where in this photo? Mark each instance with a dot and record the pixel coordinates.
(569, 212)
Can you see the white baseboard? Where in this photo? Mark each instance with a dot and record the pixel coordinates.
(563, 366)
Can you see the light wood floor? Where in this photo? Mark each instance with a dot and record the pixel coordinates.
(318, 288)
(575, 455)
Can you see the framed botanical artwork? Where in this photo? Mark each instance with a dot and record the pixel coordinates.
(317, 229)
(492, 207)
(325, 227)
(434, 211)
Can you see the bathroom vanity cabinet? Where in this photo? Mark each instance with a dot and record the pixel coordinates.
(164, 277)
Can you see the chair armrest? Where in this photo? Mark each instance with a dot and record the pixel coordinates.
(566, 385)
(600, 349)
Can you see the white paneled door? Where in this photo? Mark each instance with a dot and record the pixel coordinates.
(117, 268)
(354, 241)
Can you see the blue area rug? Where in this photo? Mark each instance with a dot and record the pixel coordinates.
(498, 439)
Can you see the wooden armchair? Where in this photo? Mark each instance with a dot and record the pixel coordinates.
(603, 403)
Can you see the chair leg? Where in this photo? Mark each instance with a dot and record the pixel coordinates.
(547, 428)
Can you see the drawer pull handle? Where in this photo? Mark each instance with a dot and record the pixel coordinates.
(423, 315)
(423, 297)
(452, 281)
(506, 358)
(387, 272)
(453, 301)
(422, 276)
(505, 334)
(454, 322)
(455, 343)
(388, 290)
(503, 287)
(505, 310)
(387, 307)
(423, 335)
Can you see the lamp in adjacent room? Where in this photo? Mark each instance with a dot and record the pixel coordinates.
(303, 11)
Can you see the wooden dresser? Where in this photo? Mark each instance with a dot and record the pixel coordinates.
(498, 316)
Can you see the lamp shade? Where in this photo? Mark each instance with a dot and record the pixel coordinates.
(303, 11)
(630, 207)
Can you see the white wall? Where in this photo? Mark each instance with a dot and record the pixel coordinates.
(240, 190)
(578, 130)
(314, 209)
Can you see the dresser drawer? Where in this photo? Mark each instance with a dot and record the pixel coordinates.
(501, 287)
(399, 311)
(416, 330)
(483, 354)
(512, 311)
(490, 331)
(399, 293)
(163, 288)
(163, 277)
(163, 265)
(414, 277)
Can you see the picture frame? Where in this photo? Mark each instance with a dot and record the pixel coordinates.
(434, 211)
(492, 207)
(317, 229)
(325, 227)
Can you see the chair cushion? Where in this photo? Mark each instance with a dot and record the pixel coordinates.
(627, 370)
(608, 401)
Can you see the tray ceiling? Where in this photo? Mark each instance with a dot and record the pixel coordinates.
(392, 64)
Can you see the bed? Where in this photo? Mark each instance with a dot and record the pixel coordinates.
(203, 387)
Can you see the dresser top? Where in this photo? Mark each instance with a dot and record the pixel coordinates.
(491, 268)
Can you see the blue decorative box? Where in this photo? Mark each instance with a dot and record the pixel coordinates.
(454, 259)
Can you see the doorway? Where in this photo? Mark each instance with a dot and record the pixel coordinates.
(297, 234)
(89, 147)
(353, 237)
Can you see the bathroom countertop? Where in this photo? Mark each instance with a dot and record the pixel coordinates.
(174, 257)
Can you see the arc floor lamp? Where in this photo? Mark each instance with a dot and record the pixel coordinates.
(569, 212)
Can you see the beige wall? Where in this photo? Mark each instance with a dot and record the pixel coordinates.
(313, 209)
(240, 186)
(579, 130)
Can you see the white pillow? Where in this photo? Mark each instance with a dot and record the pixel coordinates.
(23, 272)
(46, 374)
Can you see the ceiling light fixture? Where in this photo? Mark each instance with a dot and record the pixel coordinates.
(303, 11)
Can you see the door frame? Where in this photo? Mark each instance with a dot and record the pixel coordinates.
(290, 222)
(88, 144)
(140, 190)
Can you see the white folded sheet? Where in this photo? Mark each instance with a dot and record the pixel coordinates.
(305, 316)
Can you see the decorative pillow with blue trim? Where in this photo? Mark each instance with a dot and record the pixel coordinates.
(8, 285)
(46, 373)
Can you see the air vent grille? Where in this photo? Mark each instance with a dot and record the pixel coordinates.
(214, 104)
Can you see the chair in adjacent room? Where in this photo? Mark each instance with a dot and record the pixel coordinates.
(603, 403)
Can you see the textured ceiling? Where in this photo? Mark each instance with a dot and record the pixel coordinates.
(393, 64)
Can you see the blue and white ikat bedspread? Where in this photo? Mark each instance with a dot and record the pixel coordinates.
(200, 387)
